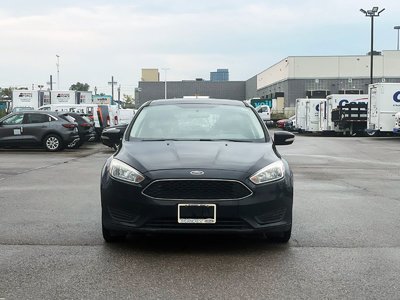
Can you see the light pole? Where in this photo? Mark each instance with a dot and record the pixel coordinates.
(58, 71)
(397, 28)
(165, 82)
(372, 13)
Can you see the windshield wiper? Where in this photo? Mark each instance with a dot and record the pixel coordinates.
(158, 140)
(227, 140)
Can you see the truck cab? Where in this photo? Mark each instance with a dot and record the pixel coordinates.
(265, 112)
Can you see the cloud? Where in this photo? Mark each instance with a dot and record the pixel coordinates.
(96, 39)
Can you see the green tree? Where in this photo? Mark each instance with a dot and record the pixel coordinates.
(129, 101)
(6, 93)
(82, 87)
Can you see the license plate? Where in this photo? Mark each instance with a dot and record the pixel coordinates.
(197, 213)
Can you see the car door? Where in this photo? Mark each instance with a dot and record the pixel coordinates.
(35, 126)
(11, 130)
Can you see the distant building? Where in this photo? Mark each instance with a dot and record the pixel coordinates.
(150, 75)
(318, 76)
(291, 78)
(220, 75)
(146, 91)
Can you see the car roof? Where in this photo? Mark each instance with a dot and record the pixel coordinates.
(39, 112)
(197, 101)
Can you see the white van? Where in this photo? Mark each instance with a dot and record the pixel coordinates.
(125, 115)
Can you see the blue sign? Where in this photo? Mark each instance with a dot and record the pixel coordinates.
(256, 102)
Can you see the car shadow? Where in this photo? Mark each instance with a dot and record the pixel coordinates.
(197, 244)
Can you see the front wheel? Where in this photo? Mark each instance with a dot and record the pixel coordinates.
(281, 237)
(373, 133)
(115, 146)
(111, 236)
(53, 143)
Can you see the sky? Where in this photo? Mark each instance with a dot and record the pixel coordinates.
(97, 39)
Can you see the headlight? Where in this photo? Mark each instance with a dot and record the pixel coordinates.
(269, 173)
(122, 171)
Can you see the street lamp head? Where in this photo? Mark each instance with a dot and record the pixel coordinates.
(380, 11)
(396, 27)
(363, 11)
(375, 9)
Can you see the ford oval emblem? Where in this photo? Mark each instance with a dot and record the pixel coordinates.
(196, 173)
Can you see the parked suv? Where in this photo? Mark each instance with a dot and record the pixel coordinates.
(37, 128)
(85, 128)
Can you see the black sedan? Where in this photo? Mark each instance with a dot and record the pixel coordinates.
(112, 136)
(197, 166)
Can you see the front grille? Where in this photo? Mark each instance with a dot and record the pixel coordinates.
(220, 224)
(197, 189)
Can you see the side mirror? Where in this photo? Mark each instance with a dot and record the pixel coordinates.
(283, 138)
(113, 131)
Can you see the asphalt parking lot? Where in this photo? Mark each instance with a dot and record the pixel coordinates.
(345, 242)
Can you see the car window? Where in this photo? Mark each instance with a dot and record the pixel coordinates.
(194, 121)
(86, 119)
(36, 118)
(68, 118)
(14, 120)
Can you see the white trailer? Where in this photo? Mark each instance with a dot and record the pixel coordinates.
(333, 102)
(84, 97)
(383, 104)
(63, 97)
(25, 98)
(307, 114)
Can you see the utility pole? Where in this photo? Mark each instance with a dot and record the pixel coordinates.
(397, 28)
(119, 93)
(112, 88)
(58, 71)
(165, 82)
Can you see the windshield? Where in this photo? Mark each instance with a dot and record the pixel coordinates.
(24, 108)
(197, 122)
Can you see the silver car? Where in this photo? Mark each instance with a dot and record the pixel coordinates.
(37, 128)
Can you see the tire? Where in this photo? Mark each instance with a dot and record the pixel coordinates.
(78, 144)
(281, 237)
(53, 143)
(374, 133)
(115, 146)
(111, 236)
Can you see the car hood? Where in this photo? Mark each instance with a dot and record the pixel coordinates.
(167, 155)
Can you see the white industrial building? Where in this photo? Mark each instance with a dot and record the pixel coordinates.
(317, 76)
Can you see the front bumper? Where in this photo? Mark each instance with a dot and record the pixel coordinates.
(268, 209)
